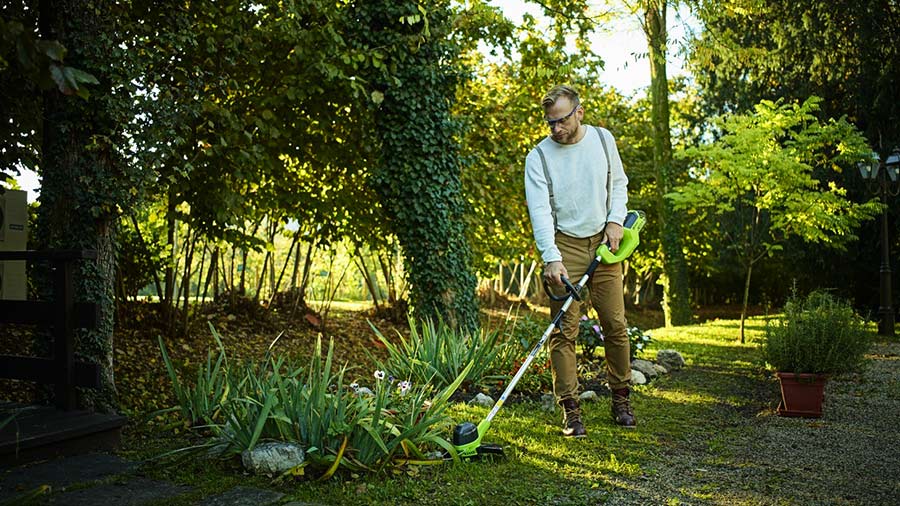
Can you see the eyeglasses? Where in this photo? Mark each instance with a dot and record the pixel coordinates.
(553, 122)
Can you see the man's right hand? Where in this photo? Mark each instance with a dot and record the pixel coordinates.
(553, 271)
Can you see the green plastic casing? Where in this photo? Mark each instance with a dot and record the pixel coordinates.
(634, 222)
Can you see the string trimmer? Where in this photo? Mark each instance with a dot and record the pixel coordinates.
(467, 436)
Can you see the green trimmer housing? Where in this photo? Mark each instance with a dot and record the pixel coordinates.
(467, 436)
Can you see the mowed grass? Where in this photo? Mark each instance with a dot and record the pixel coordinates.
(689, 422)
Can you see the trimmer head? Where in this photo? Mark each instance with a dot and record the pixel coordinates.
(467, 441)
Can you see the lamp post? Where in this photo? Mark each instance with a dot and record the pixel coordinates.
(883, 182)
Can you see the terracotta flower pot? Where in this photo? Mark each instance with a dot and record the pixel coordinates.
(801, 394)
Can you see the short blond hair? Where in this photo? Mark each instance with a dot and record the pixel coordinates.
(557, 92)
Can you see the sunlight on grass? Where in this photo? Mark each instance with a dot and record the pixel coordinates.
(681, 397)
(346, 305)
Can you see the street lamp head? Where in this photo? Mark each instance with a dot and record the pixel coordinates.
(868, 168)
(892, 164)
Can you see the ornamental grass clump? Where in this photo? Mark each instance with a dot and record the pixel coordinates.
(199, 399)
(338, 424)
(436, 353)
(818, 334)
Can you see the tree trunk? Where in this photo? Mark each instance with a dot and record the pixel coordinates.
(81, 183)
(274, 232)
(388, 273)
(307, 265)
(171, 228)
(296, 263)
(746, 299)
(277, 283)
(200, 272)
(677, 294)
(213, 262)
(417, 176)
(360, 262)
(186, 283)
(262, 276)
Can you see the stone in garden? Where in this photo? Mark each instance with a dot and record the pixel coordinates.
(660, 369)
(638, 378)
(548, 402)
(644, 367)
(273, 458)
(365, 392)
(482, 400)
(589, 396)
(670, 359)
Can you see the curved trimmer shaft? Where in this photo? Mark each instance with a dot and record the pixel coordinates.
(467, 436)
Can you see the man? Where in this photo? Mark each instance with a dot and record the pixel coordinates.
(576, 190)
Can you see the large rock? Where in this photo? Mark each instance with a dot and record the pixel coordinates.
(638, 378)
(482, 400)
(646, 367)
(670, 359)
(589, 396)
(660, 370)
(273, 458)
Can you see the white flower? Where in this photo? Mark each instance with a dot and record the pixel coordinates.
(379, 375)
(404, 386)
(354, 386)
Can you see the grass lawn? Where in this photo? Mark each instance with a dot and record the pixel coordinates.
(689, 446)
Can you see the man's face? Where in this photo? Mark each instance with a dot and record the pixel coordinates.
(564, 118)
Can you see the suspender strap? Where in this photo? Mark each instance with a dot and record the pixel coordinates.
(549, 186)
(550, 182)
(608, 170)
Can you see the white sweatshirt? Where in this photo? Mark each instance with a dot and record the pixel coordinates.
(578, 173)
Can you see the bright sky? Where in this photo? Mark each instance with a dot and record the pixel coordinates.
(618, 47)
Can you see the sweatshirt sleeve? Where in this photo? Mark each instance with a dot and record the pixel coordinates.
(537, 196)
(619, 198)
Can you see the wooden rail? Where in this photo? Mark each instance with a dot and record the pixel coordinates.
(63, 316)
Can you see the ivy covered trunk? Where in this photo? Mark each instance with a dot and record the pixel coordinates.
(81, 174)
(676, 289)
(418, 172)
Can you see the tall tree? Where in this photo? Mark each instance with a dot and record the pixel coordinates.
(418, 167)
(759, 176)
(676, 288)
(844, 51)
(86, 179)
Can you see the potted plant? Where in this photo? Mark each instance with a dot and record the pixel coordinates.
(818, 336)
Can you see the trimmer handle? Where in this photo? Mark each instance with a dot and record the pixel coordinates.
(570, 290)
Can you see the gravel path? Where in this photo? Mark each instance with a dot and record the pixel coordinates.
(850, 456)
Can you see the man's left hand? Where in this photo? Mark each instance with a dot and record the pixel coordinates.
(612, 235)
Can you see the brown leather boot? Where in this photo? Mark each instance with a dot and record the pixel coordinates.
(572, 426)
(621, 408)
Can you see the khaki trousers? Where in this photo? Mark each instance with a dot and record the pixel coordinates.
(608, 299)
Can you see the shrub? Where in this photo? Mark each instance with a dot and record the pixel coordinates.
(817, 334)
(639, 340)
(589, 335)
